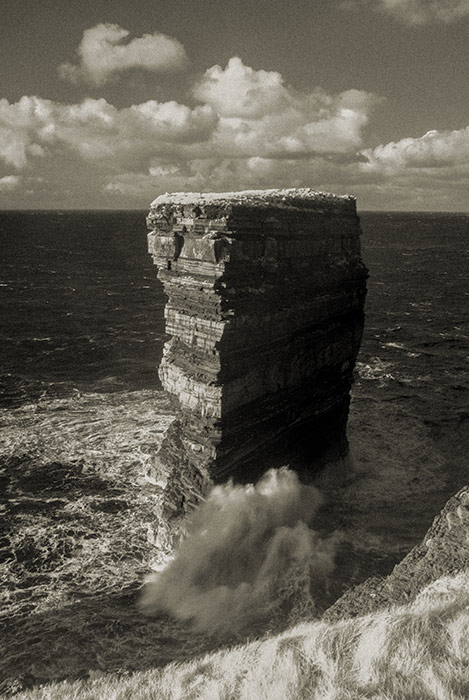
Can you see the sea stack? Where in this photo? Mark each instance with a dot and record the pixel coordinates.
(266, 292)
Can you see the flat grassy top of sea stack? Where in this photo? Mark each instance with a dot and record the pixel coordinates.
(304, 198)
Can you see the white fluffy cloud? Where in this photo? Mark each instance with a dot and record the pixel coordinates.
(260, 116)
(240, 91)
(97, 131)
(430, 172)
(20, 124)
(102, 53)
(434, 150)
(250, 129)
(417, 12)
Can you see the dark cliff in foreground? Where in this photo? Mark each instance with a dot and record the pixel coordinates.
(265, 312)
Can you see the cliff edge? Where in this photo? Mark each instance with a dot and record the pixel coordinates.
(444, 551)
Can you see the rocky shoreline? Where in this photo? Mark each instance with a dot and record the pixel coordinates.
(444, 551)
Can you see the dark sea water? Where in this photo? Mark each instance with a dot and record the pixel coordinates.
(409, 418)
(82, 316)
(81, 306)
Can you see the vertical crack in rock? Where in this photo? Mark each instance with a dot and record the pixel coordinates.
(265, 305)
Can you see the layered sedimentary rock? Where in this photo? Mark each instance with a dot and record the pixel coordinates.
(444, 551)
(265, 312)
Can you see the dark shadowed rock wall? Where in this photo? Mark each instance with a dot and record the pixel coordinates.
(265, 312)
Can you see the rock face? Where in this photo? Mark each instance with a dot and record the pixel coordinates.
(265, 312)
(444, 551)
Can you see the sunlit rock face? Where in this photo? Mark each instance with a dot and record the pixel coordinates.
(265, 312)
(444, 551)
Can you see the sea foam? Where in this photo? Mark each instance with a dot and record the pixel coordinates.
(250, 556)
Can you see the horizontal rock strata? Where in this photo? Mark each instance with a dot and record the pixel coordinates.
(265, 313)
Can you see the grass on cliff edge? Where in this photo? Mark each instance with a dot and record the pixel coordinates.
(418, 651)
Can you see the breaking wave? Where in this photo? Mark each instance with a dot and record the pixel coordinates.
(249, 557)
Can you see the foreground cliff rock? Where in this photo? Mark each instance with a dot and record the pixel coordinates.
(444, 551)
(265, 312)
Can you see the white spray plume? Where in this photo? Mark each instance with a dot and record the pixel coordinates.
(249, 557)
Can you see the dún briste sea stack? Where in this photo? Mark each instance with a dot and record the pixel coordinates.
(265, 315)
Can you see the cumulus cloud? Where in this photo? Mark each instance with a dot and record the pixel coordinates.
(97, 131)
(245, 114)
(429, 172)
(241, 91)
(260, 116)
(248, 128)
(19, 125)
(417, 12)
(434, 150)
(102, 53)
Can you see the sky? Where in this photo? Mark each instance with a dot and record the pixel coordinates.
(108, 103)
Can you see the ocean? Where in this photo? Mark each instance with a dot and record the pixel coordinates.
(83, 316)
(82, 308)
(80, 340)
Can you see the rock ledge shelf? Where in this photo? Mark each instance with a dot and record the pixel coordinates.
(265, 305)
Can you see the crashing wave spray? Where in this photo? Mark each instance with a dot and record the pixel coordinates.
(249, 557)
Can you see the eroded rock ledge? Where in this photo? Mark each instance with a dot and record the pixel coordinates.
(444, 551)
(265, 312)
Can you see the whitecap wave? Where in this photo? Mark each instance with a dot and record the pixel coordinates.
(249, 557)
